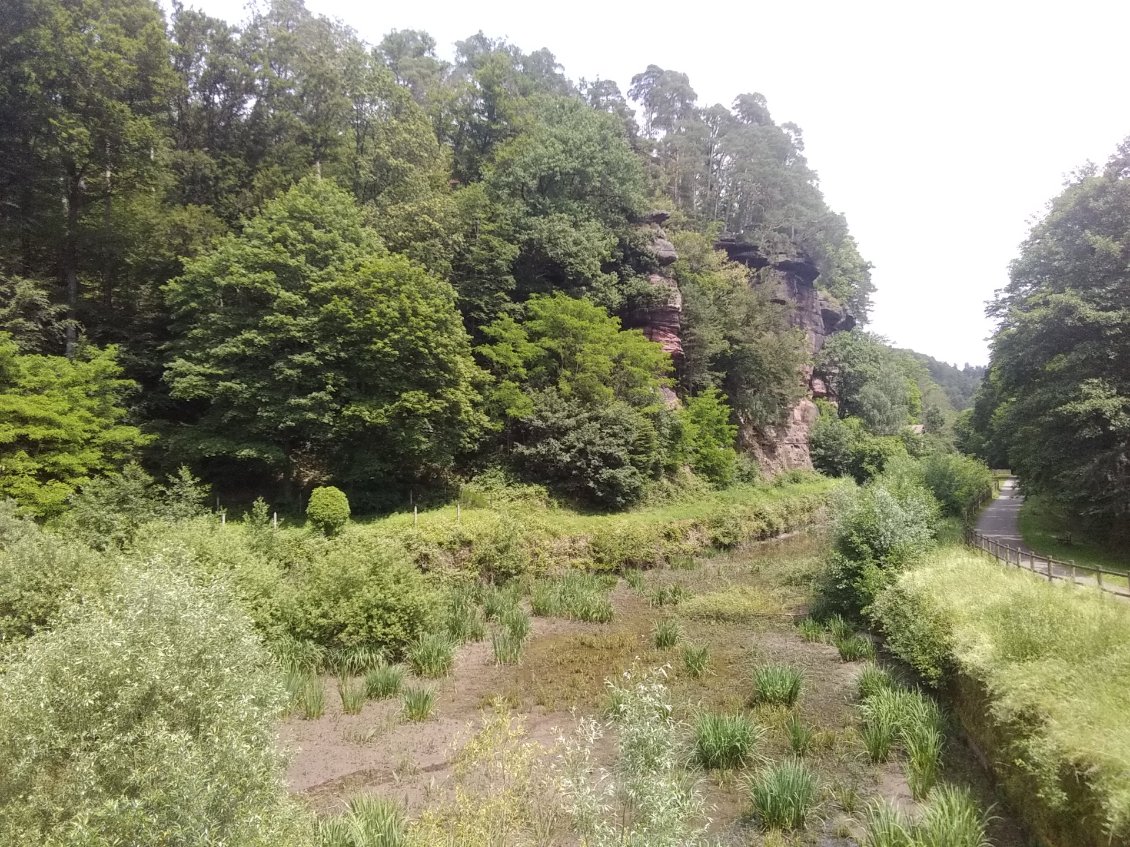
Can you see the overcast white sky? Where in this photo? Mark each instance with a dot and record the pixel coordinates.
(938, 129)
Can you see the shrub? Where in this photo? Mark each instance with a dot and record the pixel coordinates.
(384, 681)
(328, 509)
(364, 591)
(958, 482)
(776, 685)
(40, 573)
(695, 660)
(725, 741)
(431, 655)
(418, 703)
(666, 634)
(175, 722)
(784, 795)
(707, 437)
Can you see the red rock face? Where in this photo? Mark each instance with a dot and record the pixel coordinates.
(662, 321)
(793, 277)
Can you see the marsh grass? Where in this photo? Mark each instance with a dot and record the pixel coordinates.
(370, 821)
(784, 795)
(506, 646)
(353, 661)
(801, 736)
(724, 741)
(464, 622)
(696, 660)
(666, 634)
(873, 679)
(418, 702)
(878, 736)
(914, 721)
(516, 623)
(839, 627)
(312, 699)
(811, 630)
(432, 655)
(855, 648)
(635, 580)
(924, 758)
(776, 685)
(952, 819)
(384, 681)
(351, 689)
(886, 825)
(498, 600)
(667, 595)
(577, 595)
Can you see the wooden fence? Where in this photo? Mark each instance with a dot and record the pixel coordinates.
(1112, 582)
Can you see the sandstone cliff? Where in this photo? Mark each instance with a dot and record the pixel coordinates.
(792, 278)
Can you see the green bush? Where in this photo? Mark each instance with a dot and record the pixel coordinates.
(784, 795)
(39, 574)
(145, 717)
(328, 509)
(776, 685)
(364, 591)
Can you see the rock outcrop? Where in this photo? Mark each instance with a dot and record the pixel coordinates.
(792, 278)
(661, 319)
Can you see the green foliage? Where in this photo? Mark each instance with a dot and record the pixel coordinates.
(61, 423)
(176, 722)
(800, 735)
(855, 648)
(1030, 648)
(312, 697)
(784, 795)
(576, 595)
(1057, 401)
(40, 574)
(844, 447)
(352, 693)
(707, 437)
(294, 336)
(725, 741)
(369, 821)
(364, 591)
(431, 655)
(877, 533)
(599, 456)
(328, 509)
(108, 511)
(507, 647)
(776, 685)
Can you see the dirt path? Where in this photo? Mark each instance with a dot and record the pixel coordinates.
(1000, 522)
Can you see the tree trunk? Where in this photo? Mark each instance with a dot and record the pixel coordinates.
(69, 260)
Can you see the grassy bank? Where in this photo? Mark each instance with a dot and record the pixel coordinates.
(1051, 533)
(1039, 675)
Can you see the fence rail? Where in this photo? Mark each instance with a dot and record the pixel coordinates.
(1111, 582)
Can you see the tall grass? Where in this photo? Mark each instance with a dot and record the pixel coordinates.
(353, 661)
(784, 795)
(506, 646)
(725, 741)
(776, 685)
(418, 702)
(855, 647)
(369, 822)
(811, 629)
(575, 594)
(695, 660)
(666, 634)
(463, 622)
(914, 721)
(384, 681)
(432, 655)
(498, 600)
(950, 818)
(516, 622)
(312, 699)
(800, 735)
(873, 679)
(352, 693)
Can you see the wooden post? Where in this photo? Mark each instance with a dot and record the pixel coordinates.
(1032, 562)
(415, 515)
(1072, 573)
(275, 521)
(1049, 570)
(459, 512)
(223, 518)
(1099, 578)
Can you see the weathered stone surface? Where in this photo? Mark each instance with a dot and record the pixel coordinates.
(792, 278)
(663, 321)
(664, 251)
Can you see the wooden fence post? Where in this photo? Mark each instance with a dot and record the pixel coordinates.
(1099, 578)
(1072, 573)
(415, 515)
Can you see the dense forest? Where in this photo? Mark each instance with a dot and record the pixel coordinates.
(280, 256)
(1055, 405)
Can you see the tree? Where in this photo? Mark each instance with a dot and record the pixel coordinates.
(61, 422)
(1058, 393)
(707, 437)
(575, 348)
(313, 354)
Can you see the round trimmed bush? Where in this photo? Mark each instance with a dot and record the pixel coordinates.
(328, 509)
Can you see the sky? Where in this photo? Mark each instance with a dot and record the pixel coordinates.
(940, 130)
